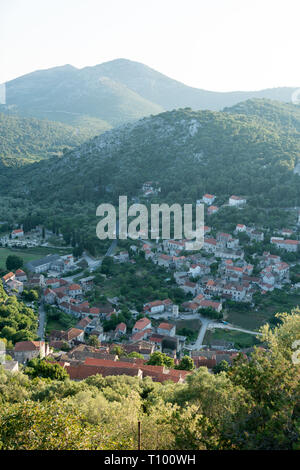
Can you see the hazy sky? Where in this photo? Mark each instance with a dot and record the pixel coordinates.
(211, 44)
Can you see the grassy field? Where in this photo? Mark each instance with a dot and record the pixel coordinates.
(240, 340)
(29, 254)
(269, 305)
(63, 323)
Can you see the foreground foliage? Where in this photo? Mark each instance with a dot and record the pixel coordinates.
(255, 404)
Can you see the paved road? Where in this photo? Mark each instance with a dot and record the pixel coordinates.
(42, 320)
(206, 324)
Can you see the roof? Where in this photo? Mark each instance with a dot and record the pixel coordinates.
(142, 323)
(18, 230)
(73, 333)
(209, 303)
(95, 311)
(237, 198)
(45, 260)
(121, 327)
(8, 276)
(166, 326)
(23, 346)
(208, 196)
(20, 272)
(83, 371)
(74, 287)
(84, 322)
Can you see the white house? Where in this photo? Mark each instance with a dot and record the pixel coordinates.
(166, 329)
(208, 199)
(237, 201)
(155, 307)
(17, 233)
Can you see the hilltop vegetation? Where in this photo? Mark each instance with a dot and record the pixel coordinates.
(252, 405)
(188, 153)
(26, 140)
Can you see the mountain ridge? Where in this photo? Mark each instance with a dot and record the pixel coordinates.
(116, 91)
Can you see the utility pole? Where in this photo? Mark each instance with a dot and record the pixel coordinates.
(139, 435)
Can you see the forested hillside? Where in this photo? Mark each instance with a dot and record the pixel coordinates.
(187, 152)
(26, 140)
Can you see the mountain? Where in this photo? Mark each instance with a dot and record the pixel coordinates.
(280, 115)
(25, 140)
(115, 92)
(186, 152)
(67, 94)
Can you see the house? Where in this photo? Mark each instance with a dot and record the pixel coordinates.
(122, 257)
(21, 275)
(257, 236)
(237, 201)
(36, 281)
(71, 336)
(212, 210)
(164, 260)
(49, 296)
(26, 350)
(210, 245)
(18, 233)
(240, 228)
(43, 264)
(103, 311)
(173, 245)
(291, 246)
(154, 307)
(191, 306)
(87, 283)
(14, 285)
(83, 323)
(8, 277)
(140, 335)
(121, 329)
(142, 325)
(52, 282)
(282, 270)
(208, 199)
(74, 290)
(217, 306)
(286, 232)
(166, 329)
(189, 287)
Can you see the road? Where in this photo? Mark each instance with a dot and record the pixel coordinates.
(42, 320)
(206, 323)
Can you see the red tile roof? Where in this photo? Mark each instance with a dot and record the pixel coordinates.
(142, 323)
(28, 346)
(166, 326)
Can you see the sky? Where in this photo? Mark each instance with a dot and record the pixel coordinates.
(220, 45)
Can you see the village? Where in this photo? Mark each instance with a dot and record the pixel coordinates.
(208, 279)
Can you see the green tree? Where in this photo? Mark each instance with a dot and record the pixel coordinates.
(14, 262)
(160, 359)
(43, 368)
(186, 363)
